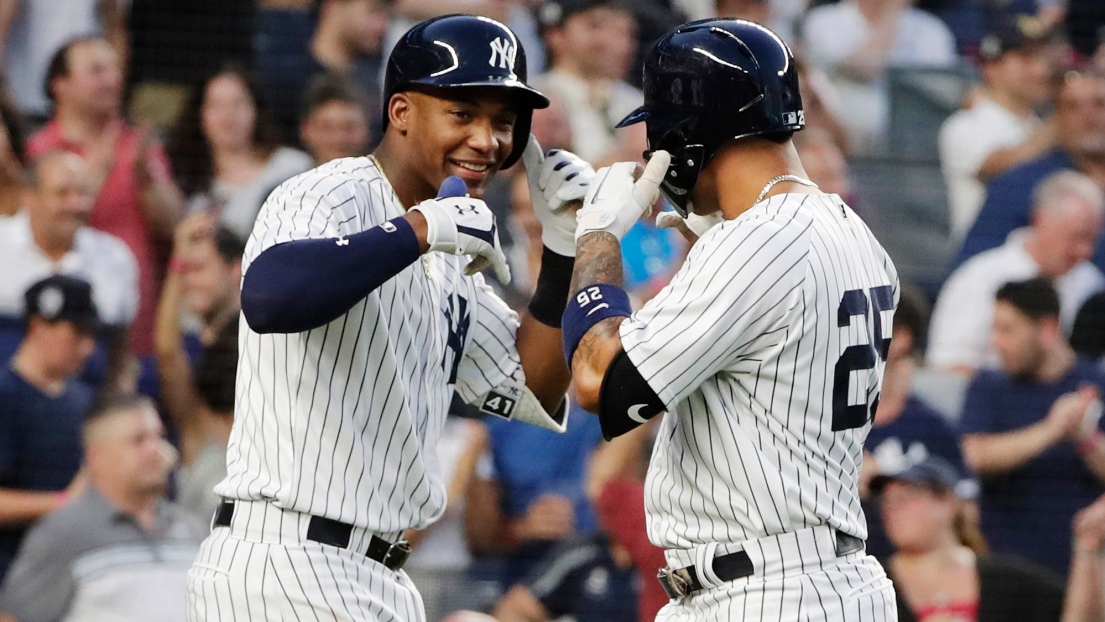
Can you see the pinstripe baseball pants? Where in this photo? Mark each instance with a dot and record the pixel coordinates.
(262, 568)
(797, 578)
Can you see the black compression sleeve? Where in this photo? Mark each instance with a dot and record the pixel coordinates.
(550, 297)
(304, 284)
(625, 400)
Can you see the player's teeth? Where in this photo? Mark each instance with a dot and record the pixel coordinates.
(479, 168)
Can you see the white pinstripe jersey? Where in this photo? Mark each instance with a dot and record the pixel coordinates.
(342, 421)
(767, 348)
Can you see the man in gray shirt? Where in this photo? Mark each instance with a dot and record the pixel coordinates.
(120, 551)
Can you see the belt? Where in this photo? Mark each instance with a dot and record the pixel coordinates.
(682, 582)
(336, 533)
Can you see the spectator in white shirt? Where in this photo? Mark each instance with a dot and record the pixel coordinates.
(1067, 214)
(51, 236)
(855, 41)
(999, 129)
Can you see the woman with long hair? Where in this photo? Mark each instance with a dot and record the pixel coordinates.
(941, 570)
(224, 154)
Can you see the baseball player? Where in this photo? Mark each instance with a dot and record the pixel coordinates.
(766, 350)
(362, 317)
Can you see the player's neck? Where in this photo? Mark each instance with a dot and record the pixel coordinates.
(408, 186)
(743, 168)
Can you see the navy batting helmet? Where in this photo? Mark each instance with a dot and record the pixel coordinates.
(463, 51)
(709, 82)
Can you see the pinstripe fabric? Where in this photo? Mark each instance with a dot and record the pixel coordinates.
(342, 421)
(744, 346)
(741, 346)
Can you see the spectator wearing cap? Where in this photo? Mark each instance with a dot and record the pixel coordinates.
(43, 407)
(51, 236)
(119, 550)
(856, 41)
(135, 197)
(1079, 120)
(1000, 128)
(1032, 429)
(941, 569)
(1066, 225)
(203, 282)
(906, 430)
(591, 46)
(334, 122)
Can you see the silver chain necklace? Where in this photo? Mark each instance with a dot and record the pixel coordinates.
(781, 178)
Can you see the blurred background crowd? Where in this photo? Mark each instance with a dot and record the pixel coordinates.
(139, 138)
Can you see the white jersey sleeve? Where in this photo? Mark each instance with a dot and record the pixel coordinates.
(316, 204)
(491, 359)
(733, 294)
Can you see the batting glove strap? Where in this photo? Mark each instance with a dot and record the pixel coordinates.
(588, 307)
(465, 226)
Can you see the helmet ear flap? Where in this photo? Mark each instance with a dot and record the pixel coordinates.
(682, 175)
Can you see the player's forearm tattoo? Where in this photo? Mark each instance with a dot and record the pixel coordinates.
(598, 260)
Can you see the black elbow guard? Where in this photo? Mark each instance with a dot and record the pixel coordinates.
(625, 399)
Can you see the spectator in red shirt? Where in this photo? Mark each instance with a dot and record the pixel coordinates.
(137, 200)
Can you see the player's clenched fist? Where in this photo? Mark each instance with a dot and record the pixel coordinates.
(616, 200)
(464, 226)
(556, 180)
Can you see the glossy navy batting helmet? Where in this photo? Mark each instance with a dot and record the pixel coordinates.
(455, 51)
(709, 82)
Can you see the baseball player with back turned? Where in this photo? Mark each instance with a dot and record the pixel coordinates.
(361, 319)
(766, 349)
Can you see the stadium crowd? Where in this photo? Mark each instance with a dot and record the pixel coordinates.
(139, 139)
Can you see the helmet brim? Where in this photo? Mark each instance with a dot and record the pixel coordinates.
(528, 97)
(639, 115)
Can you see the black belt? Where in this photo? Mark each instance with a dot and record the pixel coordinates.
(732, 566)
(336, 533)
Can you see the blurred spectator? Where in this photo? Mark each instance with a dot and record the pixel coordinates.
(334, 123)
(1029, 429)
(51, 236)
(282, 35)
(12, 157)
(347, 41)
(999, 129)
(120, 550)
(528, 492)
(856, 41)
(1080, 133)
(1087, 337)
(176, 43)
(1085, 598)
(43, 407)
(137, 200)
(939, 572)
(906, 430)
(225, 154)
(821, 102)
(203, 281)
(32, 30)
(591, 45)
(439, 564)
(1066, 224)
(584, 578)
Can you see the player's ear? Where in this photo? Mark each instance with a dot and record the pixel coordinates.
(399, 112)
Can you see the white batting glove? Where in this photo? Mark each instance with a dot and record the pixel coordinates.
(616, 202)
(555, 180)
(465, 226)
(692, 227)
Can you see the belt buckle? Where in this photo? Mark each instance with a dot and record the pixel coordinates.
(676, 583)
(397, 555)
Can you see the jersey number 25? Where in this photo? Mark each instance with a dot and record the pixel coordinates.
(861, 356)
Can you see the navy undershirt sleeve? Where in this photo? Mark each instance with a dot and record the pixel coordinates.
(304, 284)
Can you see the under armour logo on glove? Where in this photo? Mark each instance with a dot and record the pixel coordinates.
(461, 225)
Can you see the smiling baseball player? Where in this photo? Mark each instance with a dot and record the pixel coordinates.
(766, 350)
(361, 319)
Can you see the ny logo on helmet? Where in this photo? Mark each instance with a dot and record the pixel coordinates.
(502, 53)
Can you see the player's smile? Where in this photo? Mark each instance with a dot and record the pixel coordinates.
(473, 172)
